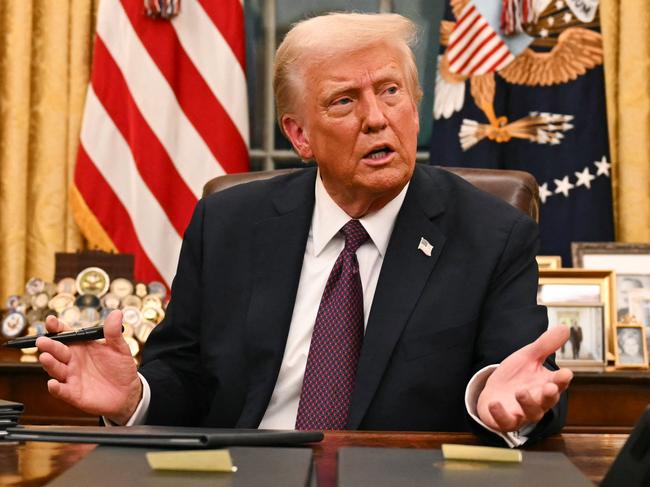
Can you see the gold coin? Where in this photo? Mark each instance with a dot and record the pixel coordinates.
(158, 288)
(34, 286)
(152, 301)
(111, 301)
(67, 285)
(143, 331)
(92, 280)
(70, 316)
(128, 330)
(151, 314)
(141, 290)
(131, 301)
(121, 287)
(132, 316)
(61, 301)
(50, 289)
(13, 324)
(40, 300)
(133, 344)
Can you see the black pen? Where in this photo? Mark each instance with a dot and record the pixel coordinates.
(83, 334)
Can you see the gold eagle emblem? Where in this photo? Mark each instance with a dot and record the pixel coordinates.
(563, 48)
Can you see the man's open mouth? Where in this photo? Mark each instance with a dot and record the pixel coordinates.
(379, 153)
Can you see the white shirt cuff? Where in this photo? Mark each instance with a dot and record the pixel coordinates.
(473, 391)
(140, 413)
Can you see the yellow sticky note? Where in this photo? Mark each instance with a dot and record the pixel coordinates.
(192, 460)
(480, 453)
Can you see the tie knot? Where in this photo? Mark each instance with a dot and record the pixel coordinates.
(355, 235)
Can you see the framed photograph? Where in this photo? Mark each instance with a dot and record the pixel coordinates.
(582, 287)
(631, 348)
(586, 347)
(630, 262)
(545, 262)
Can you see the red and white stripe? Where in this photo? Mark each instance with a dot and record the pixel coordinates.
(166, 111)
(474, 46)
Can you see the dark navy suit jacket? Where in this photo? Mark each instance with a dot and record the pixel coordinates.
(434, 321)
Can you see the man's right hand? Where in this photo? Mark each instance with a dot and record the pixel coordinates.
(99, 377)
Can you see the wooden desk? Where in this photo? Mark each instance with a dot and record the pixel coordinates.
(35, 464)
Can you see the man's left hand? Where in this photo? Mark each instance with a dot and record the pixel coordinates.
(521, 390)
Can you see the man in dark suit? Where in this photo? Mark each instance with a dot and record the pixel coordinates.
(270, 302)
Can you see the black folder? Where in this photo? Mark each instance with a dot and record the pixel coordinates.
(10, 407)
(162, 436)
(110, 466)
(388, 467)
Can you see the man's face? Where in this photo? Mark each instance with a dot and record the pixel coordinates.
(359, 122)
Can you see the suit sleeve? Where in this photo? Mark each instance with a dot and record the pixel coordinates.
(511, 317)
(171, 358)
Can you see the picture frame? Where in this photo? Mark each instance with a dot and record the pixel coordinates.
(631, 347)
(581, 287)
(631, 264)
(545, 262)
(586, 347)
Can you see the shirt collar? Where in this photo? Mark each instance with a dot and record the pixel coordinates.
(329, 218)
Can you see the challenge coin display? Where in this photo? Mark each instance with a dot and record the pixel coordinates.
(92, 280)
(86, 301)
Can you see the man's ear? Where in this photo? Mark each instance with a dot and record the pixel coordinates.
(294, 130)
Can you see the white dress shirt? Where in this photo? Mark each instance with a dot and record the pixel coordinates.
(324, 244)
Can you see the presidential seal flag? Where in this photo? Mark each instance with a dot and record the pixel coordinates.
(166, 111)
(520, 86)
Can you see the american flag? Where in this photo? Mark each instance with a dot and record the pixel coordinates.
(474, 46)
(166, 110)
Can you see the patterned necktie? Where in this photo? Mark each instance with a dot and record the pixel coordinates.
(336, 342)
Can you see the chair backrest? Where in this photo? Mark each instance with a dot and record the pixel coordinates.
(518, 188)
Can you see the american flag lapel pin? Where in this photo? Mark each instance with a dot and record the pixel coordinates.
(425, 247)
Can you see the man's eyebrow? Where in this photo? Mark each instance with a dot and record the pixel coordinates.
(338, 85)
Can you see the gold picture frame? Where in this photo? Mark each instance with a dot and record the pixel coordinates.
(546, 262)
(571, 286)
(630, 348)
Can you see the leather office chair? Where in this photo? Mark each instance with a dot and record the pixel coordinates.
(518, 188)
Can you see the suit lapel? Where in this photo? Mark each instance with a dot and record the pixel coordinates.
(404, 273)
(276, 267)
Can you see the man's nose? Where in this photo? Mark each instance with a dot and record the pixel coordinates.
(373, 115)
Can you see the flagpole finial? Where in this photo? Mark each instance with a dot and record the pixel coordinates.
(161, 9)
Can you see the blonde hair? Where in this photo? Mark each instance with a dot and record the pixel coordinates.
(335, 33)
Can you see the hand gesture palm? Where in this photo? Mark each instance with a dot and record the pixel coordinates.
(521, 390)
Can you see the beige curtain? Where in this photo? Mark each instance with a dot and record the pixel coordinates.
(45, 54)
(626, 36)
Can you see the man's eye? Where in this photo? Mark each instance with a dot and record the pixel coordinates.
(342, 101)
(392, 90)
